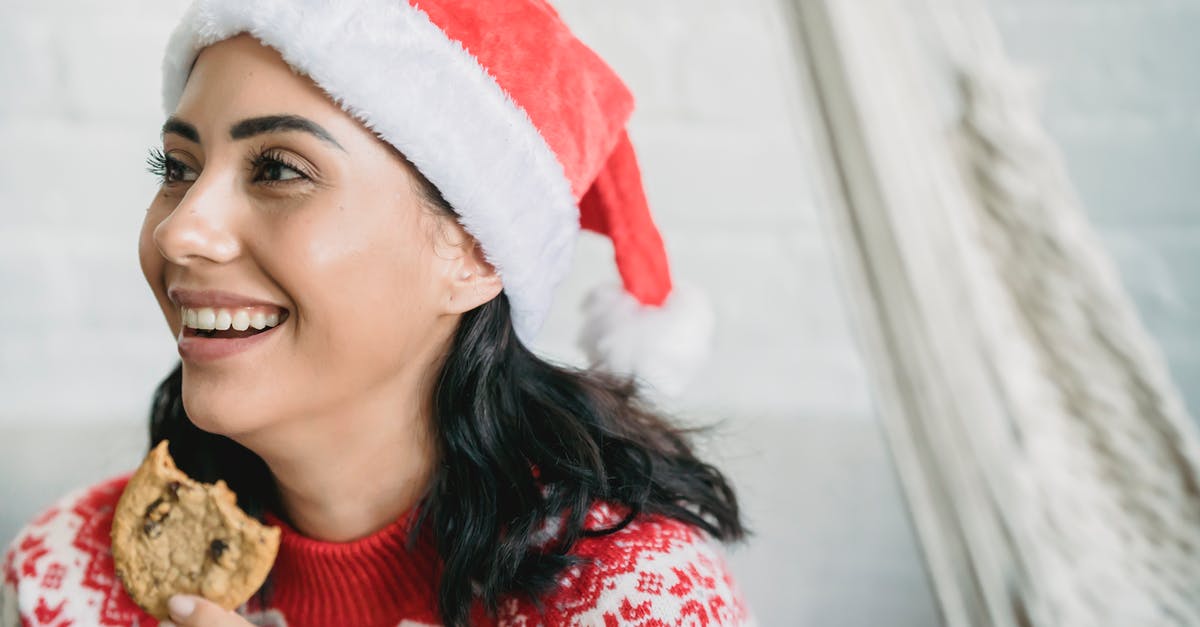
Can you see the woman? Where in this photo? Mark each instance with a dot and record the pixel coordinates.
(364, 208)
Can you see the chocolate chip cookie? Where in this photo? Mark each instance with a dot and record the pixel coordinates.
(171, 535)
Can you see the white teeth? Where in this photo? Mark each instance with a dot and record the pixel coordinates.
(241, 320)
(210, 318)
(223, 320)
(206, 319)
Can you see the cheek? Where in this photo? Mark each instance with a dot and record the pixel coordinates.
(364, 290)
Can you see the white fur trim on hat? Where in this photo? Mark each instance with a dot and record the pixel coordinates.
(389, 66)
(662, 346)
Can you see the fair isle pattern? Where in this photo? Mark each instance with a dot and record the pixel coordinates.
(60, 568)
(656, 572)
(274, 618)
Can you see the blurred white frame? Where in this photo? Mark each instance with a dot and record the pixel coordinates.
(1049, 464)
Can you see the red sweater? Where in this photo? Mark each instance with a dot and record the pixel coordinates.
(656, 572)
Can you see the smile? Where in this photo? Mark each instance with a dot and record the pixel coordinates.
(228, 323)
(214, 333)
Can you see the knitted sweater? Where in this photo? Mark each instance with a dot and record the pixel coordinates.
(58, 572)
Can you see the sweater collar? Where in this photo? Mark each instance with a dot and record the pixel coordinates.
(375, 580)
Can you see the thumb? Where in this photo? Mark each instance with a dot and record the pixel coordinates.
(192, 611)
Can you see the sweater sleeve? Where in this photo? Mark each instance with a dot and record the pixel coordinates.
(59, 570)
(32, 562)
(655, 572)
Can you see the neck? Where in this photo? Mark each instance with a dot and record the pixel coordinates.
(346, 474)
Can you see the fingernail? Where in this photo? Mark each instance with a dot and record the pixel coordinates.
(181, 606)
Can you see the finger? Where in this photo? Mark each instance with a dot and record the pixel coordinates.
(192, 611)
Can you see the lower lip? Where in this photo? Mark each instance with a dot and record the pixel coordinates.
(194, 348)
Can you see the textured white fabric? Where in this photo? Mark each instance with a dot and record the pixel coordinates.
(390, 67)
(663, 346)
(1106, 511)
(1053, 472)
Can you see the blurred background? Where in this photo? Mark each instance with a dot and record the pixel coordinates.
(726, 151)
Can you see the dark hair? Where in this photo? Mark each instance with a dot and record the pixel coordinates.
(500, 411)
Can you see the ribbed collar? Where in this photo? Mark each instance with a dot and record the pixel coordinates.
(375, 580)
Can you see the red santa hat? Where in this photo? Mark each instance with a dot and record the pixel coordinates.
(521, 127)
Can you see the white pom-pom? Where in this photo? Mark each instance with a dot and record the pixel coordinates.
(662, 346)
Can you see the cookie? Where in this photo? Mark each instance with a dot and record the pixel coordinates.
(171, 534)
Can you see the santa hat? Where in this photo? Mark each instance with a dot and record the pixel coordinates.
(521, 127)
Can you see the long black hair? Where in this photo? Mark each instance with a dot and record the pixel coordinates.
(499, 412)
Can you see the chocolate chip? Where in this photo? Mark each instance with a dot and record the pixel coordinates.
(158, 510)
(152, 509)
(152, 528)
(217, 549)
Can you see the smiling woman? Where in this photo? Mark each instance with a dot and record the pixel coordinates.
(352, 282)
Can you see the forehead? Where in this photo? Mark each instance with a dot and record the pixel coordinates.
(239, 77)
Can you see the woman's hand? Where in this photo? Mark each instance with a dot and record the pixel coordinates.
(190, 611)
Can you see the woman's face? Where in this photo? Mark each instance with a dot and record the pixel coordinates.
(276, 203)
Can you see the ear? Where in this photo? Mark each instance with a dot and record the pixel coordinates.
(470, 279)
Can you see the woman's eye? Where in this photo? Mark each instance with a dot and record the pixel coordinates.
(169, 169)
(272, 170)
(177, 171)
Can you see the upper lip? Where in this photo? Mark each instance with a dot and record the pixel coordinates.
(215, 298)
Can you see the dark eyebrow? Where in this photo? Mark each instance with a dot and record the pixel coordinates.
(276, 123)
(181, 128)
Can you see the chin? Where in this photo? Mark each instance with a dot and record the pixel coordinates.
(221, 408)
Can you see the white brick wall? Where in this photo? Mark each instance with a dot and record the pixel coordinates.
(81, 339)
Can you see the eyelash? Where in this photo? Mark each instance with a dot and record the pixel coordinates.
(261, 158)
(163, 166)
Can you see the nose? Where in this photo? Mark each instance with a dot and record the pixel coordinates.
(202, 226)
